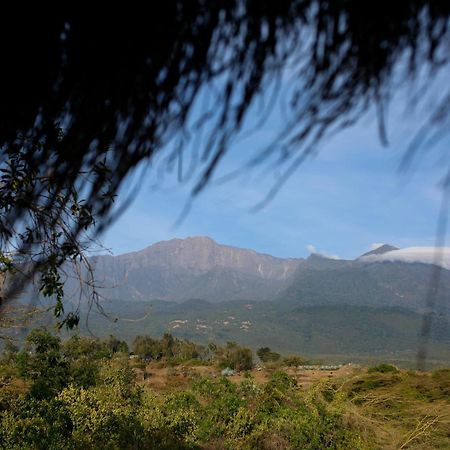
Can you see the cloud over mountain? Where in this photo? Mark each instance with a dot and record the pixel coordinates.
(426, 255)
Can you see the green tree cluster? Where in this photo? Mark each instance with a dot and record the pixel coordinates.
(59, 410)
(82, 394)
(49, 365)
(234, 356)
(169, 348)
(173, 349)
(265, 354)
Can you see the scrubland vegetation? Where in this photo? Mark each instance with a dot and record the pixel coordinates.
(169, 394)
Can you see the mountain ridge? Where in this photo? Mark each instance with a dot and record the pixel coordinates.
(198, 267)
(201, 290)
(195, 267)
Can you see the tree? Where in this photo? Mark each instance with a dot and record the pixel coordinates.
(9, 352)
(265, 354)
(147, 348)
(42, 362)
(234, 357)
(112, 94)
(167, 345)
(83, 356)
(78, 347)
(115, 345)
(50, 232)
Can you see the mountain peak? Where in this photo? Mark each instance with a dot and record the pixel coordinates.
(177, 242)
(197, 267)
(380, 250)
(200, 239)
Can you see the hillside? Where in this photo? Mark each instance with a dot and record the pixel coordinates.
(196, 267)
(335, 332)
(376, 284)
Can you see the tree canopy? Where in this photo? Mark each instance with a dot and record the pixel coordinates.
(86, 98)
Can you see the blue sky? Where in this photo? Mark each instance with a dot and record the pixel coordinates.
(347, 197)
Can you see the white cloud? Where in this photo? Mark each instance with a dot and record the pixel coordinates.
(425, 255)
(376, 245)
(311, 248)
(329, 255)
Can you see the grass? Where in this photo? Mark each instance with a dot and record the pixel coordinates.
(389, 408)
(403, 409)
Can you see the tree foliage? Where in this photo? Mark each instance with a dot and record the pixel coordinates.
(173, 349)
(234, 356)
(269, 411)
(265, 354)
(42, 362)
(114, 412)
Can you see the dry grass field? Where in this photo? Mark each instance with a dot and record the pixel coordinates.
(393, 410)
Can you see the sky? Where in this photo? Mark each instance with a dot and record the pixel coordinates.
(340, 202)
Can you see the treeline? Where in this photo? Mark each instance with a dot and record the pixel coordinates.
(231, 355)
(85, 351)
(176, 350)
(49, 363)
(82, 394)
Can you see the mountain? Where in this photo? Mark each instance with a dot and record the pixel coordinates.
(333, 332)
(199, 268)
(380, 250)
(198, 289)
(361, 283)
(195, 267)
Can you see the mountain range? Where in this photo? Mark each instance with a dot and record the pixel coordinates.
(199, 268)
(371, 307)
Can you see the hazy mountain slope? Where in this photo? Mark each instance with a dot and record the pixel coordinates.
(346, 331)
(198, 267)
(198, 289)
(325, 282)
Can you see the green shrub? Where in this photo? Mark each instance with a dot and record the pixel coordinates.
(92, 401)
(265, 354)
(41, 362)
(233, 356)
(294, 361)
(33, 423)
(383, 368)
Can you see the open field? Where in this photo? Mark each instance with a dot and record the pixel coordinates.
(165, 378)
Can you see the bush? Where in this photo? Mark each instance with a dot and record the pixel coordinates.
(97, 404)
(294, 361)
(234, 357)
(265, 354)
(383, 368)
(42, 362)
(35, 424)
